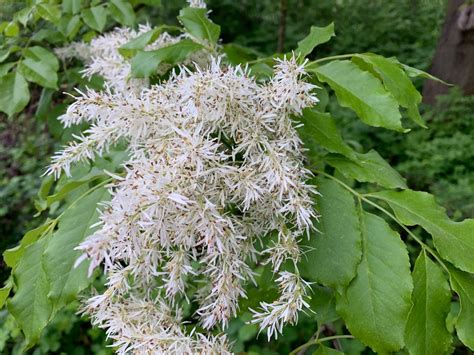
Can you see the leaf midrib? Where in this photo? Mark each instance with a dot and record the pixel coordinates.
(360, 100)
(436, 226)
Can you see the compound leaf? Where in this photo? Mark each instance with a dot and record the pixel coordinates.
(360, 91)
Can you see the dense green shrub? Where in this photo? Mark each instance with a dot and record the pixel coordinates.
(407, 29)
(25, 147)
(440, 159)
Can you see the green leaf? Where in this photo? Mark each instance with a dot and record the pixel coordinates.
(69, 25)
(53, 36)
(320, 129)
(368, 167)
(14, 93)
(63, 192)
(30, 305)
(49, 12)
(45, 273)
(44, 103)
(396, 82)
(335, 250)
(40, 66)
(23, 15)
(4, 293)
(426, 331)
(5, 68)
(317, 36)
(323, 304)
(376, 304)
(248, 332)
(122, 12)
(4, 54)
(145, 64)
(324, 350)
(198, 25)
(12, 29)
(95, 18)
(453, 240)
(237, 54)
(41, 54)
(414, 73)
(39, 73)
(73, 184)
(59, 255)
(46, 184)
(463, 284)
(72, 6)
(13, 256)
(154, 3)
(131, 48)
(362, 92)
(89, 36)
(261, 71)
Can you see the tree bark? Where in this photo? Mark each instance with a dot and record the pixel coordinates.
(282, 26)
(454, 57)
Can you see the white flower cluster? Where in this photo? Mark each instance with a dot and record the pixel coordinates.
(200, 4)
(215, 166)
(102, 56)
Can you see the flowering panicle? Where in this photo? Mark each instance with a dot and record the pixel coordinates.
(275, 315)
(102, 56)
(214, 166)
(201, 4)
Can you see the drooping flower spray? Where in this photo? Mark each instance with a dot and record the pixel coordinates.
(214, 167)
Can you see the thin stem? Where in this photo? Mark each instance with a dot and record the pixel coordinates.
(308, 65)
(333, 337)
(389, 214)
(319, 341)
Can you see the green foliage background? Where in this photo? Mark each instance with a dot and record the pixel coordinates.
(439, 159)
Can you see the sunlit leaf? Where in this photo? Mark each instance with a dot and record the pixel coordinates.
(317, 36)
(320, 130)
(146, 63)
(198, 25)
(360, 91)
(368, 167)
